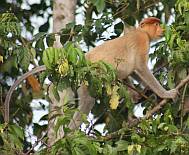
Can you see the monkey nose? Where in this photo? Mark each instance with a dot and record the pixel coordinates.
(162, 32)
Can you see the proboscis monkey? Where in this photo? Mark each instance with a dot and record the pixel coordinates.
(132, 49)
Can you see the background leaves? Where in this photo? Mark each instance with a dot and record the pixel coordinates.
(165, 133)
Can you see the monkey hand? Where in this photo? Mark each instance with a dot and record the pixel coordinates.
(171, 94)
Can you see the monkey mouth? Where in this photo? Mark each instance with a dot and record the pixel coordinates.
(161, 35)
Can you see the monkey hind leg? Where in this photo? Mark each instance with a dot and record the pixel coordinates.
(86, 103)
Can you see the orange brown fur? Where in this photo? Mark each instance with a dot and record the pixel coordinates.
(132, 49)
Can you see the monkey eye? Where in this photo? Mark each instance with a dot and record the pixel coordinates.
(156, 24)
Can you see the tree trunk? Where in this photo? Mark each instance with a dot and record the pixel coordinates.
(63, 13)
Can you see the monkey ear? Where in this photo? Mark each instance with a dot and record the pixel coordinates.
(142, 25)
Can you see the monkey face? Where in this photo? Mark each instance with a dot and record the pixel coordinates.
(154, 30)
(159, 30)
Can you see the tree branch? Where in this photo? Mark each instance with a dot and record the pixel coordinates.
(134, 121)
(164, 101)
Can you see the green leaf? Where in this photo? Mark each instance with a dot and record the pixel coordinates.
(171, 41)
(51, 56)
(171, 77)
(63, 84)
(160, 148)
(154, 125)
(161, 125)
(58, 52)
(15, 136)
(33, 52)
(81, 56)
(186, 16)
(9, 23)
(70, 25)
(111, 72)
(46, 59)
(173, 147)
(78, 28)
(172, 128)
(77, 151)
(109, 150)
(23, 57)
(95, 87)
(182, 73)
(55, 93)
(50, 39)
(136, 138)
(39, 35)
(64, 35)
(82, 140)
(42, 76)
(59, 146)
(100, 4)
(72, 56)
(122, 145)
(17, 131)
(61, 121)
(40, 44)
(15, 140)
(8, 65)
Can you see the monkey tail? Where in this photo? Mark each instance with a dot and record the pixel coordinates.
(16, 83)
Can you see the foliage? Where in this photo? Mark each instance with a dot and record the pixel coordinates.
(12, 137)
(165, 133)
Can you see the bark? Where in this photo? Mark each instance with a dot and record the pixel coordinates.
(63, 13)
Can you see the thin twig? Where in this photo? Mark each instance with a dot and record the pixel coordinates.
(35, 144)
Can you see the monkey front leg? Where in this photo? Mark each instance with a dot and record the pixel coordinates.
(86, 103)
(144, 73)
